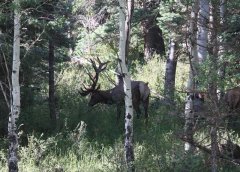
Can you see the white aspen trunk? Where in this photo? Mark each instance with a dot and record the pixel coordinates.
(70, 3)
(198, 55)
(170, 73)
(189, 108)
(15, 102)
(221, 51)
(222, 11)
(130, 6)
(189, 122)
(202, 39)
(129, 151)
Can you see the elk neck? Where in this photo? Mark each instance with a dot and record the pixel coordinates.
(106, 96)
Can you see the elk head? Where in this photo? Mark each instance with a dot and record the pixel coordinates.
(93, 90)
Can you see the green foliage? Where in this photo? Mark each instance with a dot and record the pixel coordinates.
(88, 138)
(172, 18)
(97, 144)
(208, 72)
(70, 150)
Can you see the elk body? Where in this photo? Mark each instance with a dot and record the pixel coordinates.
(232, 98)
(140, 92)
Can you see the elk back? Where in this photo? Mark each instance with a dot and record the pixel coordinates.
(232, 98)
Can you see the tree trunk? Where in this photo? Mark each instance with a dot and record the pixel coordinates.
(170, 73)
(153, 40)
(70, 29)
(189, 106)
(202, 38)
(52, 98)
(214, 148)
(222, 47)
(189, 123)
(130, 8)
(129, 150)
(130, 4)
(213, 54)
(15, 102)
(197, 55)
(212, 90)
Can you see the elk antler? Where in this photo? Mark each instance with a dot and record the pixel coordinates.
(101, 66)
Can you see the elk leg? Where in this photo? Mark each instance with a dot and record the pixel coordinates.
(136, 107)
(138, 111)
(145, 106)
(118, 112)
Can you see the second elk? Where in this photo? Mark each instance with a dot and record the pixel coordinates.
(140, 92)
(232, 99)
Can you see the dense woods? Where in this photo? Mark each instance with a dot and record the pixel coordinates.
(147, 85)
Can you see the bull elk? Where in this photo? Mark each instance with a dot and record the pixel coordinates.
(140, 92)
(232, 98)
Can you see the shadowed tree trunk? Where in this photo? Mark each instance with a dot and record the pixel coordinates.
(153, 40)
(212, 90)
(15, 101)
(214, 148)
(170, 73)
(52, 98)
(202, 36)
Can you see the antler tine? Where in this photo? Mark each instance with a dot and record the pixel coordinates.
(98, 68)
(93, 64)
(94, 79)
(102, 66)
(90, 76)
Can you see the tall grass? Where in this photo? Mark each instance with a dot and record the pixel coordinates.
(96, 143)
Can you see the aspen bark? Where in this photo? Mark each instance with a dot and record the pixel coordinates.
(129, 150)
(189, 106)
(170, 73)
(221, 51)
(197, 55)
(15, 97)
(202, 38)
(189, 122)
(130, 8)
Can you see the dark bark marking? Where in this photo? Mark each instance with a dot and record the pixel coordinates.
(129, 116)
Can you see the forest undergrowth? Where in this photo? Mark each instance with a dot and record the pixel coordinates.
(90, 139)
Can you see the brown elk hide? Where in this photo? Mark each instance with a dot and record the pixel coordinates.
(232, 98)
(230, 149)
(144, 90)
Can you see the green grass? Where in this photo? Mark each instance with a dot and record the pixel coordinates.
(98, 144)
(73, 150)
